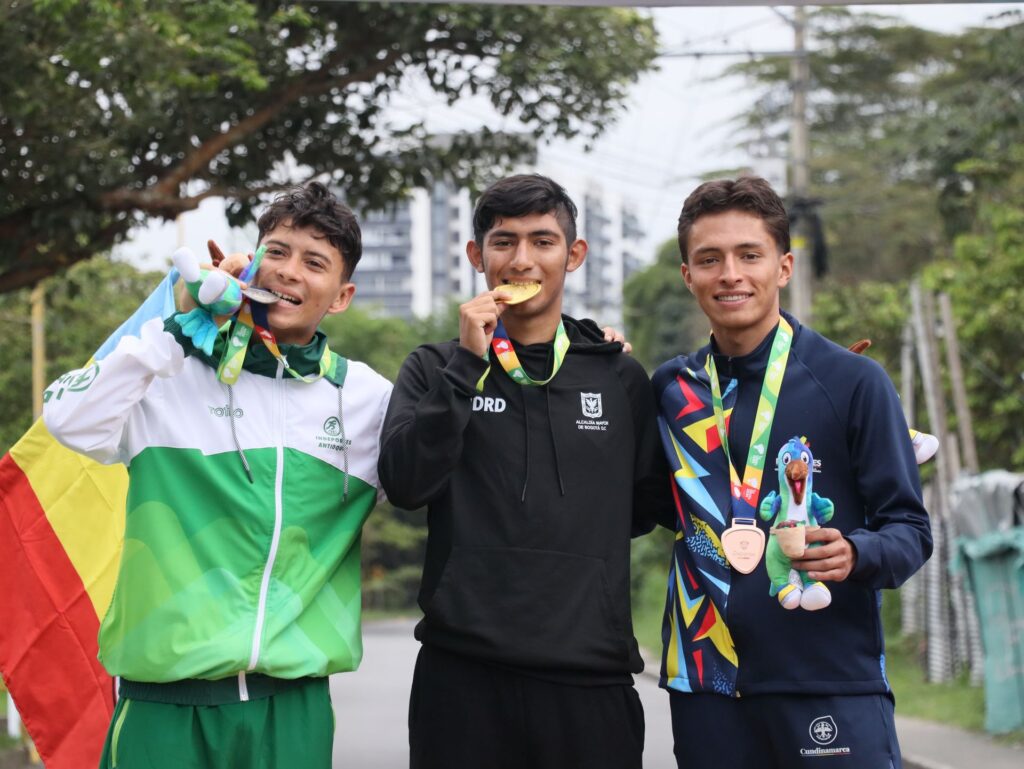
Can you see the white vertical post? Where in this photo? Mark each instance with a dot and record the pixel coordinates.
(13, 719)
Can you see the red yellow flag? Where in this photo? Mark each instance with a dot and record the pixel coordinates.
(61, 531)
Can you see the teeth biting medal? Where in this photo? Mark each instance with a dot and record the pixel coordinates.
(261, 295)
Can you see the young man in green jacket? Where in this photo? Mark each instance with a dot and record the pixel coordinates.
(238, 590)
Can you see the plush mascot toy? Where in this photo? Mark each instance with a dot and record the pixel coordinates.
(216, 293)
(795, 509)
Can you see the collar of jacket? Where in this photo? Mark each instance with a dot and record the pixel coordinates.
(754, 363)
(305, 359)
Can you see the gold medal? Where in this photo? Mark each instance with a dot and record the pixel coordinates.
(518, 292)
(743, 543)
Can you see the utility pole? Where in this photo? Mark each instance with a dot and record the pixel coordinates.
(38, 322)
(799, 153)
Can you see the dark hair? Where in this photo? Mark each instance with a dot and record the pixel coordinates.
(748, 193)
(315, 207)
(522, 195)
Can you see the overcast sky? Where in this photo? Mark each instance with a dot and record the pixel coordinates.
(676, 125)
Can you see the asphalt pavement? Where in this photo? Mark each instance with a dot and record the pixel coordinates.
(371, 708)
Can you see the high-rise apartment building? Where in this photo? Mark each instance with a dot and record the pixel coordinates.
(414, 254)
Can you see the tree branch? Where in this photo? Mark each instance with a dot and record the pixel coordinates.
(163, 199)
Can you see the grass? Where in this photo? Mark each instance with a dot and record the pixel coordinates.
(956, 702)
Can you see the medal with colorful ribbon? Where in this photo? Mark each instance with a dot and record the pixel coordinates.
(745, 491)
(509, 361)
(253, 317)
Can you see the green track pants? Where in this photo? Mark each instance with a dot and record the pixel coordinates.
(293, 728)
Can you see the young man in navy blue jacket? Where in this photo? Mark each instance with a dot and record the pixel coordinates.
(533, 444)
(757, 679)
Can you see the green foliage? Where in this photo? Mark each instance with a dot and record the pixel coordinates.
(918, 155)
(984, 284)
(394, 544)
(899, 118)
(83, 307)
(115, 112)
(662, 318)
(869, 310)
(383, 342)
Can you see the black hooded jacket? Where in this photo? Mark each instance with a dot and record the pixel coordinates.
(532, 495)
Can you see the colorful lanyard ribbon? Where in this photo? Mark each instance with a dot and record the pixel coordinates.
(509, 361)
(746, 491)
(238, 342)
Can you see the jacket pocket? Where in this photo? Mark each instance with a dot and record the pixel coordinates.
(533, 608)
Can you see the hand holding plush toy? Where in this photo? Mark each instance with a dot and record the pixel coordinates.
(796, 510)
(216, 294)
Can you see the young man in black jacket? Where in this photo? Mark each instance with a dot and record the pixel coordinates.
(533, 444)
(762, 674)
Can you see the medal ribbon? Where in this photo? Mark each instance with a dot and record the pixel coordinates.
(509, 361)
(746, 491)
(238, 342)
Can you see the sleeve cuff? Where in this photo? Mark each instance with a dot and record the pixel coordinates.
(865, 553)
(464, 370)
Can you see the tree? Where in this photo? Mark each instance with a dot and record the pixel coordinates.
(984, 284)
(869, 96)
(662, 319)
(115, 111)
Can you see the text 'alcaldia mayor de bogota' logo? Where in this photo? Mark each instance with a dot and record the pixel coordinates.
(592, 409)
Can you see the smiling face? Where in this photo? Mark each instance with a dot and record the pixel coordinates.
(735, 270)
(528, 249)
(308, 273)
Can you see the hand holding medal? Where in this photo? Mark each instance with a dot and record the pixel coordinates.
(478, 318)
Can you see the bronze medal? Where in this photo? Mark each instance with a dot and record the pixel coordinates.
(743, 543)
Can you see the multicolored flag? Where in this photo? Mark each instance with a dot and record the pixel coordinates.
(61, 531)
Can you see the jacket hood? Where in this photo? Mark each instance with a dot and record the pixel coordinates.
(587, 338)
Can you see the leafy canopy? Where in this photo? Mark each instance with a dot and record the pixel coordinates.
(894, 113)
(117, 111)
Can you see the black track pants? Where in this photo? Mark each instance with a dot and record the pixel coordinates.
(465, 714)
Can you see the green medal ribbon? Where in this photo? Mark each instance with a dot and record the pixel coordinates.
(509, 361)
(746, 491)
(240, 333)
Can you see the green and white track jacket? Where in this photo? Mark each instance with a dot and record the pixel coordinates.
(221, 575)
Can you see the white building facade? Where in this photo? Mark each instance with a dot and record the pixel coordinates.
(414, 253)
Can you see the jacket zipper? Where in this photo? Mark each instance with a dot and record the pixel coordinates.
(261, 607)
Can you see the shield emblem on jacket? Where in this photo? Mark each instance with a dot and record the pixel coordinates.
(591, 403)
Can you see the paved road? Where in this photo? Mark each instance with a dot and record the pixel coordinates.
(371, 705)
